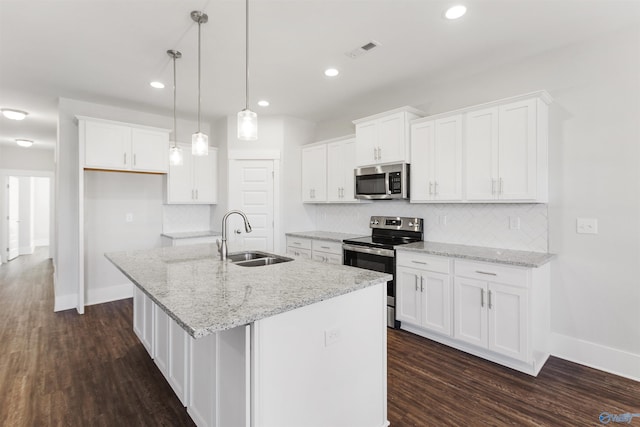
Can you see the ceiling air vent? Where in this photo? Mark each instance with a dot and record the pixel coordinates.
(359, 51)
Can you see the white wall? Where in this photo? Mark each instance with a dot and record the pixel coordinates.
(594, 173)
(67, 168)
(41, 210)
(26, 216)
(31, 158)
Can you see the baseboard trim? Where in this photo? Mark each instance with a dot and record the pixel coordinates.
(108, 294)
(65, 302)
(597, 356)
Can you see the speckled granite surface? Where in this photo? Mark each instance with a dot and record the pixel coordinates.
(480, 253)
(205, 295)
(324, 235)
(191, 234)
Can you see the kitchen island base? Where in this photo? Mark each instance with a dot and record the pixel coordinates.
(320, 365)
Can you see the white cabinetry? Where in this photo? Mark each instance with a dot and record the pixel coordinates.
(506, 152)
(384, 137)
(319, 250)
(436, 151)
(314, 173)
(341, 162)
(423, 287)
(143, 324)
(121, 146)
(491, 308)
(195, 181)
(494, 311)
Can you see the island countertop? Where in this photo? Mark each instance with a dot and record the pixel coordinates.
(205, 295)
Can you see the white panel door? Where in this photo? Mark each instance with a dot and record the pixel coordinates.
(436, 302)
(470, 308)
(14, 217)
(335, 171)
(314, 174)
(508, 320)
(251, 190)
(161, 340)
(481, 140)
(517, 152)
(366, 143)
(348, 165)
(447, 158)
(150, 150)
(391, 138)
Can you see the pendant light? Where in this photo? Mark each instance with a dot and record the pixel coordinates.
(247, 119)
(175, 152)
(199, 140)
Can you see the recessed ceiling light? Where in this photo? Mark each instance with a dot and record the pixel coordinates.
(331, 72)
(263, 103)
(24, 142)
(455, 12)
(157, 85)
(14, 114)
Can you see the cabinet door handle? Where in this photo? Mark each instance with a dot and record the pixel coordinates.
(501, 186)
(325, 247)
(134, 160)
(430, 188)
(192, 194)
(421, 283)
(419, 262)
(416, 276)
(379, 153)
(481, 297)
(297, 243)
(493, 186)
(486, 272)
(435, 188)
(490, 305)
(196, 194)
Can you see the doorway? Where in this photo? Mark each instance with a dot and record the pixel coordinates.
(26, 220)
(253, 190)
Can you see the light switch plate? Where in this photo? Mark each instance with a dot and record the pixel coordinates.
(586, 226)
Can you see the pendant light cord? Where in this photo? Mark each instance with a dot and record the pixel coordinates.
(199, 25)
(175, 129)
(246, 55)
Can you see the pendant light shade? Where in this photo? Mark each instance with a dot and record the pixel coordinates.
(247, 119)
(175, 152)
(199, 140)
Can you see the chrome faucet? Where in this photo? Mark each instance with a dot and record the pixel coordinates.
(222, 248)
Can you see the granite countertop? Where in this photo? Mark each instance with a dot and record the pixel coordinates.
(206, 295)
(480, 253)
(324, 235)
(191, 234)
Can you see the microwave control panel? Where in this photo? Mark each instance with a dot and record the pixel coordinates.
(395, 182)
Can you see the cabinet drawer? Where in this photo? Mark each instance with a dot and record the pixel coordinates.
(327, 246)
(424, 262)
(328, 258)
(295, 251)
(489, 272)
(297, 242)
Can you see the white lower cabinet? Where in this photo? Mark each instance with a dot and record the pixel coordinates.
(143, 324)
(497, 312)
(424, 292)
(299, 247)
(328, 251)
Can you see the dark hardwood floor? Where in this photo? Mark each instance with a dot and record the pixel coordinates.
(63, 369)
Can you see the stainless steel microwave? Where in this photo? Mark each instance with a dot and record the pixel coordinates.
(382, 182)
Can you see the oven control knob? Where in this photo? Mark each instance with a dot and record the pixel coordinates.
(375, 222)
(410, 224)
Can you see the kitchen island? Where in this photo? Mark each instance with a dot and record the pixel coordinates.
(290, 344)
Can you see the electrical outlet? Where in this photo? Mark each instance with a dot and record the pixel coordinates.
(514, 222)
(331, 336)
(586, 226)
(128, 217)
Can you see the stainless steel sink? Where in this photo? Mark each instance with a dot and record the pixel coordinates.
(246, 256)
(263, 259)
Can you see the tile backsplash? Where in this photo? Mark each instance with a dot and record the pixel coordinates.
(509, 226)
(181, 218)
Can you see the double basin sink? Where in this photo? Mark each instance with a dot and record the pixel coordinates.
(256, 259)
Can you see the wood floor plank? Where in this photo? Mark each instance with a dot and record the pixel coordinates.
(64, 369)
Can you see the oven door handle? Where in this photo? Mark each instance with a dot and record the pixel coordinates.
(373, 251)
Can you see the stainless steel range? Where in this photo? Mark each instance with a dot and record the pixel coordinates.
(376, 252)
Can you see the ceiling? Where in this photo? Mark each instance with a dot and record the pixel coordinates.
(107, 51)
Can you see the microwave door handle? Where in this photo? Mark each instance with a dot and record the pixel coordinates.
(386, 183)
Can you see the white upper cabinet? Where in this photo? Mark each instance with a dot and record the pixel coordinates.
(121, 146)
(506, 158)
(436, 169)
(341, 162)
(384, 138)
(494, 152)
(314, 173)
(195, 181)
